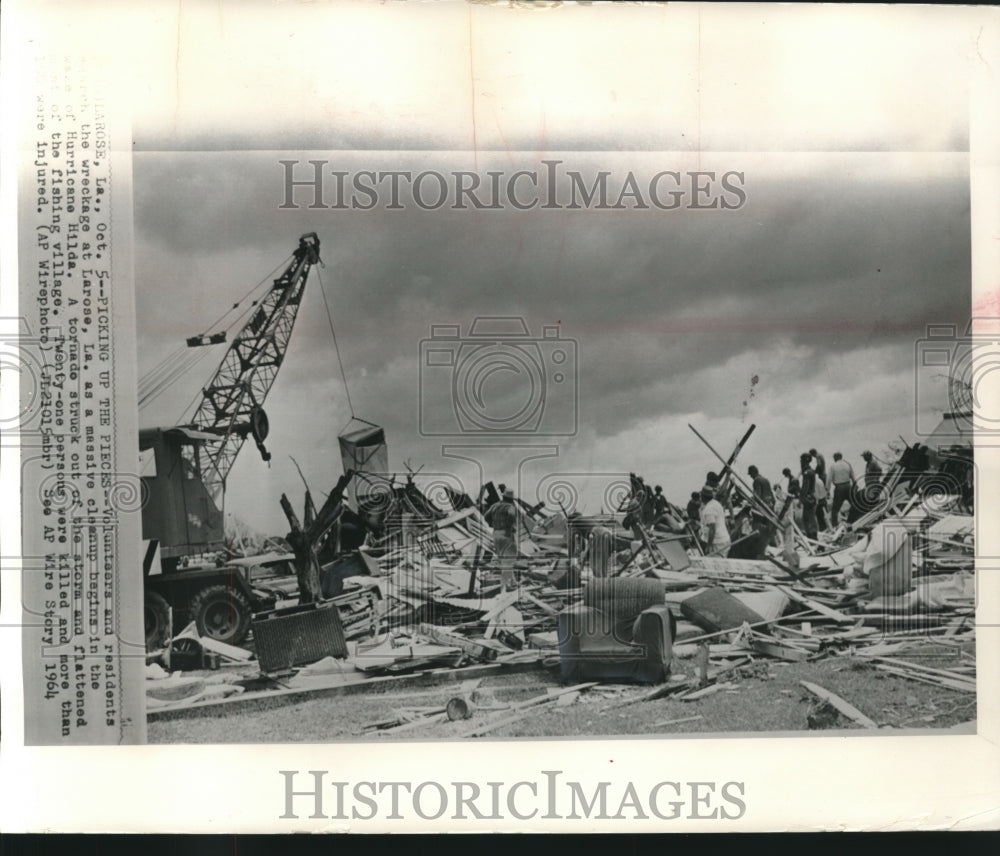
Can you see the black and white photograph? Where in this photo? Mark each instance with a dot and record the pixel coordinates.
(601, 392)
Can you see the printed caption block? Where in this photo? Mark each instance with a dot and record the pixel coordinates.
(81, 579)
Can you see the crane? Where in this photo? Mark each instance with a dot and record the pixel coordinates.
(182, 514)
(232, 401)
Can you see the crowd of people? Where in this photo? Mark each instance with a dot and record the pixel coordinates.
(732, 523)
(729, 517)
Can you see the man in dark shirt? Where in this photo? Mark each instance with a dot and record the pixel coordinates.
(761, 523)
(873, 472)
(761, 487)
(659, 503)
(820, 465)
(793, 483)
(807, 496)
(694, 507)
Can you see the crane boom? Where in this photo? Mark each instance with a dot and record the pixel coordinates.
(231, 403)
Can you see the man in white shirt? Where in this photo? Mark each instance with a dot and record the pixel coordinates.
(841, 475)
(714, 533)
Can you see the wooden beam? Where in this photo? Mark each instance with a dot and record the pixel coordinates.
(522, 706)
(481, 650)
(792, 594)
(844, 707)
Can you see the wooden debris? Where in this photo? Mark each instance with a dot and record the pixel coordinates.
(694, 695)
(792, 594)
(522, 710)
(773, 648)
(677, 721)
(485, 650)
(924, 674)
(836, 701)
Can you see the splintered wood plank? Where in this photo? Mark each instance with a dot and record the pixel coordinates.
(773, 648)
(849, 710)
(815, 605)
(526, 708)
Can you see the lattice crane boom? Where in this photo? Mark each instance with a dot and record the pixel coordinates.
(232, 402)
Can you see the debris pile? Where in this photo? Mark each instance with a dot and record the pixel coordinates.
(399, 585)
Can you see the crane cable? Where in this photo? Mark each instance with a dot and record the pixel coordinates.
(175, 365)
(336, 347)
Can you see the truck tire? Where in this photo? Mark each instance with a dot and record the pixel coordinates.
(221, 613)
(157, 619)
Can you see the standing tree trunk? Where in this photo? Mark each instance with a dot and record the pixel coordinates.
(306, 562)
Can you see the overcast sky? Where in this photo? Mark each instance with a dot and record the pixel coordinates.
(851, 137)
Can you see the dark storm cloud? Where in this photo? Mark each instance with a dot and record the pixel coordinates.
(833, 257)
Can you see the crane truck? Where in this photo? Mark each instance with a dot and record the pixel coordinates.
(182, 516)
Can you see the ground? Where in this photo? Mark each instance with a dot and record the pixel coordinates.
(765, 696)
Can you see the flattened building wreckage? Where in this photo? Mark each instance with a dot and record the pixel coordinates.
(383, 584)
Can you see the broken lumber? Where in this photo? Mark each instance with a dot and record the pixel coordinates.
(694, 695)
(691, 683)
(836, 701)
(522, 709)
(960, 686)
(755, 624)
(774, 648)
(481, 649)
(792, 594)
(677, 721)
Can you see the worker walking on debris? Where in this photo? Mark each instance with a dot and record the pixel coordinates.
(841, 478)
(821, 503)
(694, 507)
(792, 483)
(807, 496)
(761, 487)
(503, 516)
(819, 465)
(765, 496)
(714, 533)
(873, 472)
(660, 504)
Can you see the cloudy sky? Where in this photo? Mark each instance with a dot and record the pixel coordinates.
(851, 134)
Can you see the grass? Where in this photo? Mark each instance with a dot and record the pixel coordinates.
(764, 697)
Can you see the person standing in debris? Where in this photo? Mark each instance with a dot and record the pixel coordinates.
(711, 483)
(647, 509)
(792, 483)
(819, 466)
(821, 504)
(503, 518)
(765, 497)
(761, 487)
(714, 533)
(807, 496)
(694, 507)
(841, 478)
(660, 503)
(873, 472)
